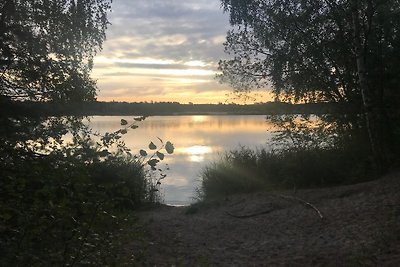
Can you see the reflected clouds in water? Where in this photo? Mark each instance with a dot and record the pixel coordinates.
(198, 140)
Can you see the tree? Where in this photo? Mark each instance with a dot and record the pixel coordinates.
(342, 51)
(59, 200)
(47, 48)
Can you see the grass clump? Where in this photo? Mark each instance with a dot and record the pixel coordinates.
(245, 170)
(307, 151)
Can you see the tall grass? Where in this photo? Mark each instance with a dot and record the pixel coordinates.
(245, 170)
(309, 151)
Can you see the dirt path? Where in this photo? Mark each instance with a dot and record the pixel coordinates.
(361, 227)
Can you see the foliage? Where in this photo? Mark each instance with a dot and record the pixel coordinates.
(297, 132)
(245, 170)
(68, 203)
(305, 47)
(47, 48)
(305, 152)
(234, 173)
(322, 51)
(156, 174)
(63, 203)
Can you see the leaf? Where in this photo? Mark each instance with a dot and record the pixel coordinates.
(152, 146)
(134, 127)
(153, 162)
(142, 118)
(143, 153)
(123, 122)
(104, 153)
(169, 147)
(160, 155)
(123, 131)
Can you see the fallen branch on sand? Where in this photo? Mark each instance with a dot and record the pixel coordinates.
(303, 202)
(308, 204)
(249, 215)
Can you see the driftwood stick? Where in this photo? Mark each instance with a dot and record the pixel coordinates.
(249, 215)
(308, 204)
(303, 202)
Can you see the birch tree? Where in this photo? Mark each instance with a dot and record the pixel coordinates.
(341, 51)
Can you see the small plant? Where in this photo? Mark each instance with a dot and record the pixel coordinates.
(152, 157)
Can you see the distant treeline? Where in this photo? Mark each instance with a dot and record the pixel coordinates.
(165, 108)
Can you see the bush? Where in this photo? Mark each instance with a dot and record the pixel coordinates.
(68, 204)
(62, 211)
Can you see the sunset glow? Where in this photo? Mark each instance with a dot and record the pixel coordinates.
(163, 54)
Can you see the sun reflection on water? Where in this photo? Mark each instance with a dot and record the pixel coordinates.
(196, 153)
(198, 139)
(199, 118)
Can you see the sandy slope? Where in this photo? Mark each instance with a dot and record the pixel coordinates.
(360, 227)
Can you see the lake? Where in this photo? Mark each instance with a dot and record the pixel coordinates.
(198, 140)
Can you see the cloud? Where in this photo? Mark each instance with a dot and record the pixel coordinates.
(167, 29)
(163, 50)
(152, 66)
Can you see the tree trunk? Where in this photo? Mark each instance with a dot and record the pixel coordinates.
(371, 111)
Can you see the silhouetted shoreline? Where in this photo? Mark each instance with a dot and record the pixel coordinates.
(31, 108)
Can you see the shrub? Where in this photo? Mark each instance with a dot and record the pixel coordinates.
(61, 211)
(69, 204)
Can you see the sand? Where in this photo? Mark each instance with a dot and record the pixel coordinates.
(353, 225)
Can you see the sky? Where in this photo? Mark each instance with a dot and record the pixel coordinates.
(163, 50)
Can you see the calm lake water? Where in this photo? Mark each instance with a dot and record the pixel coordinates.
(198, 140)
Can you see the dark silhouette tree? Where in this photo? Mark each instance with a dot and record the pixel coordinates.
(66, 193)
(47, 48)
(321, 51)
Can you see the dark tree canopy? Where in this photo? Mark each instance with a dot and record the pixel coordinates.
(64, 200)
(47, 48)
(306, 48)
(320, 51)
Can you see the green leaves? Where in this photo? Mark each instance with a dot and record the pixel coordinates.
(74, 199)
(160, 155)
(78, 31)
(104, 153)
(169, 147)
(128, 126)
(152, 146)
(153, 162)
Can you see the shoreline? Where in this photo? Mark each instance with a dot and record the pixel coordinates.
(360, 226)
